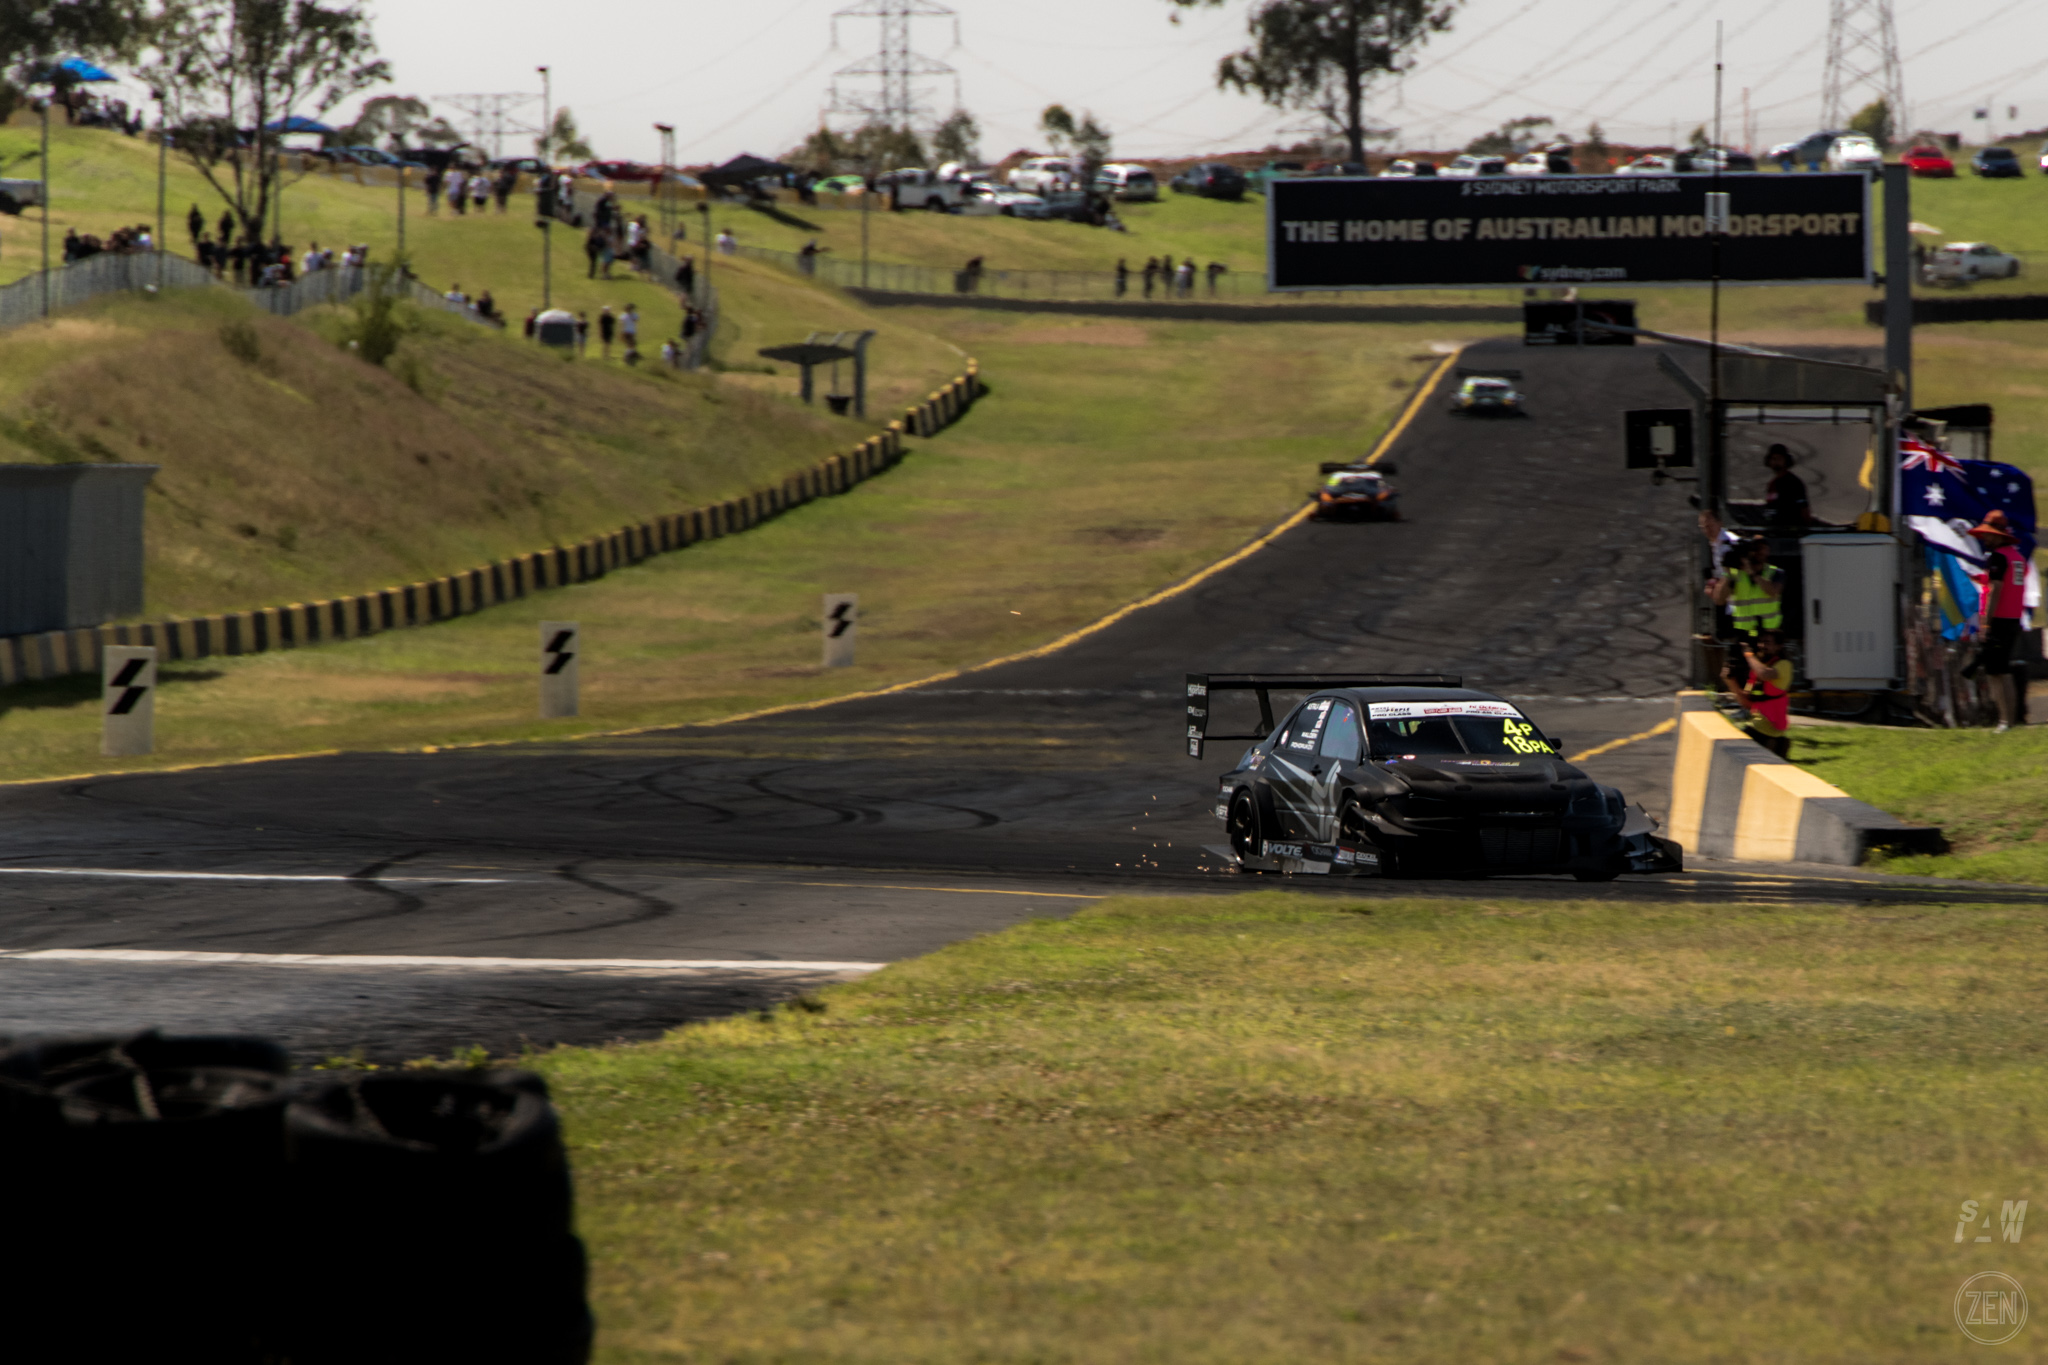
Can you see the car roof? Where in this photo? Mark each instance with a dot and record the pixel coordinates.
(1373, 694)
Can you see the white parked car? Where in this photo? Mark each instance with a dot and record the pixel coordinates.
(1405, 168)
(1854, 153)
(1134, 183)
(984, 200)
(1470, 165)
(916, 188)
(1649, 165)
(1962, 262)
(1042, 173)
(1548, 161)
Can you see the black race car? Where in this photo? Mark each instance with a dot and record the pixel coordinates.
(1375, 775)
(1356, 492)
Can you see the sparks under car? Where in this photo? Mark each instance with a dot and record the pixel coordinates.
(1391, 776)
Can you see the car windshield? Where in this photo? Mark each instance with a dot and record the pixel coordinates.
(1500, 735)
(1355, 483)
(1487, 386)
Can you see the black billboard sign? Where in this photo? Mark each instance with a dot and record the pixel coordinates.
(1534, 231)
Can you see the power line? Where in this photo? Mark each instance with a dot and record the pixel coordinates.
(896, 67)
(1863, 55)
(490, 117)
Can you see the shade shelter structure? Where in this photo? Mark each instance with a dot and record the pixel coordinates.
(742, 170)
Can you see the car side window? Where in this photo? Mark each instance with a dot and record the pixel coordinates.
(1306, 729)
(1341, 734)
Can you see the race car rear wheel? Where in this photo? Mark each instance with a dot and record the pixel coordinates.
(1244, 826)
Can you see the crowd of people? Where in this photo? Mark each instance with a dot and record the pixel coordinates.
(465, 188)
(1174, 281)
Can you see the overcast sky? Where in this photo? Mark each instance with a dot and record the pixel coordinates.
(754, 77)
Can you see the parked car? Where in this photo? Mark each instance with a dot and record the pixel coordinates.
(983, 200)
(2044, 158)
(841, 184)
(373, 156)
(1135, 184)
(618, 170)
(1211, 180)
(1963, 262)
(1855, 153)
(1554, 161)
(1470, 165)
(1996, 163)
(1073, 205)
(525, 165)
(1811, 150)
(1403, 167)
(917, 188)
(1038, 174)
(1265, 175)
(1708, 160)
(1652, 164)
(1931, 162)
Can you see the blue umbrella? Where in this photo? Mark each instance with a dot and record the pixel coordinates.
(297, 123)
(84, 70)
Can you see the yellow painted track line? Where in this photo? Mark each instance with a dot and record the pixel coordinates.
(1414, 405)
(1662, 727)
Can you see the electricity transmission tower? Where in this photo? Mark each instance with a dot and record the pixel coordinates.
(488, 118)
(1863, 63)
(899, 101)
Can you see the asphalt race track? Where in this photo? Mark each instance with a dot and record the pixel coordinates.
(646, 880)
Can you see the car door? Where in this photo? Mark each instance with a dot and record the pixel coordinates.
(1294, 771)
(1341, 749)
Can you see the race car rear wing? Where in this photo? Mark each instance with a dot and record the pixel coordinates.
(1340, 466)
(1201, 686)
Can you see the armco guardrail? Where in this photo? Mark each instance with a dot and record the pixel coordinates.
(58, 653)
(1733, 798)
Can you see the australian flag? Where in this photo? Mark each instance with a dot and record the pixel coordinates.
(1942, 497)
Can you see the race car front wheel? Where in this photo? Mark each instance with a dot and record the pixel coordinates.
(1244, 827)
(1355, 828)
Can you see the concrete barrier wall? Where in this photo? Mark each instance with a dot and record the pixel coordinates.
(58, 653)
(1733, 798)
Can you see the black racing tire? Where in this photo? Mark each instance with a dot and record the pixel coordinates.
(935, 205)
(1243, 826)
(1601, 876)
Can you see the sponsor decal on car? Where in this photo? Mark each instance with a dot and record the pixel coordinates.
(1274, 850)
(1426, 710)
(1359, 857)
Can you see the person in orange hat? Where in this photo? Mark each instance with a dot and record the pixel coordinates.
(2003, 607)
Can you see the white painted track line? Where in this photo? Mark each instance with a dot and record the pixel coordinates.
(150, 875)
(491, 964)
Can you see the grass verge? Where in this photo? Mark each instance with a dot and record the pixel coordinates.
(1107, 460)
(1988, 792)
(1271, 1127)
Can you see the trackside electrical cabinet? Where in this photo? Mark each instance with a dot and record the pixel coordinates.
(70, 544)
(1851, 611)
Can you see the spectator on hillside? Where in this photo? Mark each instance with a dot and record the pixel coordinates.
(486, 306)
(532, 322)
(728, 245)
(458, 180)
(592, 249)
(508, 181)
(582, 333)
(479, 191)
(435, 175)
(607, 325)
(671, 354)
(227, 227)
(693, 323)
(629, 333)
(1123, 277)
(686, 277)
(1216, 269)
(1184, 278)
(1151, 273)
(195, 222)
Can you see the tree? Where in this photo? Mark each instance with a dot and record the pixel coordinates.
(1091, 146)
(33, 32)
(1697, 140)
(1875, 120)
(563, 140)
(1321, 55)
(387, 118)
(1058, 126)
(957, 139)
(1595, 156)
(1513, 137)
(868, 150)
(231, 69)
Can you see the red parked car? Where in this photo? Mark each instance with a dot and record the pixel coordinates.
(1929, 161)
